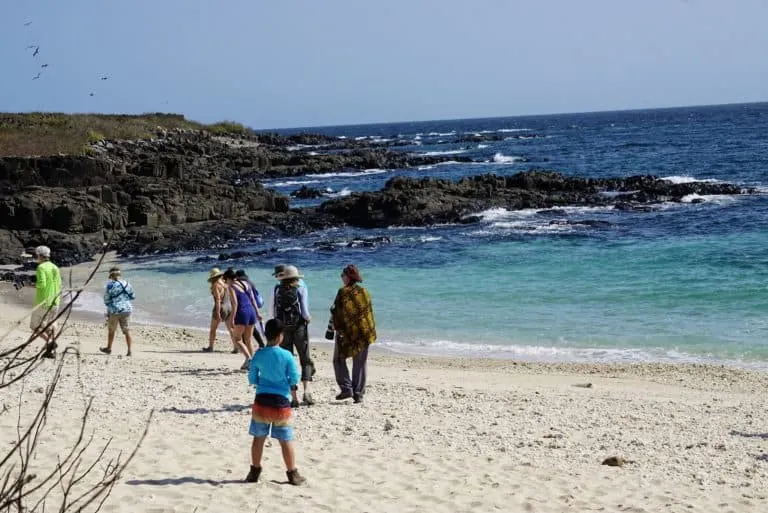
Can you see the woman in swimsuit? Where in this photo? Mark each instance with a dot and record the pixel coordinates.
(246, 314)
(222, 308)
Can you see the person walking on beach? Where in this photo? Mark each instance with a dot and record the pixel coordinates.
(240, 274)
(118, 295)
(352, 319)
(274, 373)
(47, 299)
(245, 314)
(222, 309)
(292, 310)
(279, 268)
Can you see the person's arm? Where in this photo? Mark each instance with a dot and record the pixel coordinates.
(338, 321)
(302, 293)
(273, 302)
(253, 373)
(129, 291)
(107, 296)
(253, 302)
(233, 302)
(41, 281)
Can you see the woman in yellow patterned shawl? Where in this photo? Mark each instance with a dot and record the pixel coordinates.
(352, 318)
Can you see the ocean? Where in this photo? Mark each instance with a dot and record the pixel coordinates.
(683, 282)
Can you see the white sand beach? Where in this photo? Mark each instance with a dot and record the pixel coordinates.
(442, 435)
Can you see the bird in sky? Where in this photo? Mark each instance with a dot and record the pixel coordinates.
(37, 50)
(44, 66)
(91, 94)
(27, 24)
(36, 76)
(105, 77)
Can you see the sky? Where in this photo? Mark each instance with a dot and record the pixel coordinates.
(296, 63)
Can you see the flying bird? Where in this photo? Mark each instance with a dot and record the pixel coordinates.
(105, 77)
(36, 77)
(27, 24)
(91, 94)
(37, 50)
(44, 66)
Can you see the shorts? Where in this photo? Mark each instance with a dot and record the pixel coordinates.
(245, 317)
(122, 319)
(271, 414)
(42, 316)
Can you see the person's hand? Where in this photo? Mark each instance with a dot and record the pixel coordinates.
(217, 318)
(258, 316)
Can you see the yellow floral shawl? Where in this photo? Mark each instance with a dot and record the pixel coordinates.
(353, 320)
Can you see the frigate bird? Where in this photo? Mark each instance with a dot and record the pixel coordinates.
(37, 50)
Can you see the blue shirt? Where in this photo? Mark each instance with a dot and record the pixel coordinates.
(273, 371)
(118, 295)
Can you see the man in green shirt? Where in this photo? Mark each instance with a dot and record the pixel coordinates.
(47, 299)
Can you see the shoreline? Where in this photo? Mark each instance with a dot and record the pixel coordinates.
(720, 375)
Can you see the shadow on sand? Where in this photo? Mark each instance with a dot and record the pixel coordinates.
(227, 408)
(178, 481)
(762, 436)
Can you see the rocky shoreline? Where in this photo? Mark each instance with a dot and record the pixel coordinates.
(186, 190)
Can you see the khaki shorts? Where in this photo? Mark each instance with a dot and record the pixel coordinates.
(42, 316)
(114, 319)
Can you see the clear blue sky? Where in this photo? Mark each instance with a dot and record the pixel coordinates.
(284, 63)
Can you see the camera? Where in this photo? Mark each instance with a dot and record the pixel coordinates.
(329, 331)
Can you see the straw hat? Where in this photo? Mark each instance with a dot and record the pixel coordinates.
(289, 273)
(215, 273)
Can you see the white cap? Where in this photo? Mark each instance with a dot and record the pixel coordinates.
(43, 251)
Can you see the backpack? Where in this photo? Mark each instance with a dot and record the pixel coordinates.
(287, 308)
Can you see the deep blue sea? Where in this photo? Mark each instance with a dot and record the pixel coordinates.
(682, 282)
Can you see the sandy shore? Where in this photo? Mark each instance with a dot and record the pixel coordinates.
(434, 434)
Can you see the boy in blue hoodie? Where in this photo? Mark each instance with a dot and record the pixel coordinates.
(274, 372)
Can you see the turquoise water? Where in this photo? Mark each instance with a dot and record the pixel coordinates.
(684, 282)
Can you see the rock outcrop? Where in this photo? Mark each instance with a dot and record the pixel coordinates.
(418, 202)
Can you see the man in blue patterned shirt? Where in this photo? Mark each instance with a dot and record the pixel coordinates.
(118, 295)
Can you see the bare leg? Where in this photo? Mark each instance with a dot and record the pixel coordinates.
(289, 456)
(128, 340)
(237, 335)
(212, 332)
(111, 338)
(257, 450)
(248, 339)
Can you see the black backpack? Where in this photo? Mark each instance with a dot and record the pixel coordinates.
(287, 308)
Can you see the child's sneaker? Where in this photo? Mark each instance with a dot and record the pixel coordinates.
(253, 475)
(295, 478)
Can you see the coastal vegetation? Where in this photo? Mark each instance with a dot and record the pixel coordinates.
(50, 133)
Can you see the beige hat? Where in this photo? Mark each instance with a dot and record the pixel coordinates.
(289, 273)
(215, 273)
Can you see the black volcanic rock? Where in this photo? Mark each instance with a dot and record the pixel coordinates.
(418, 202)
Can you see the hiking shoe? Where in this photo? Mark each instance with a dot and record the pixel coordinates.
(294, 403)
(343, 395)
(308, 399)
(295, 478)
(208, 349)
(358, 399)
(105, 350)
(253, 475)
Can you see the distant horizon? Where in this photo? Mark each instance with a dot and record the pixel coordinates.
(375, 123)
